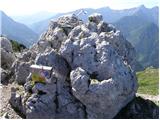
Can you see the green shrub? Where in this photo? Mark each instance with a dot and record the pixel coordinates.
(17, 47)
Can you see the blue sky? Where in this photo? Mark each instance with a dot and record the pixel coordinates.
(24, 7)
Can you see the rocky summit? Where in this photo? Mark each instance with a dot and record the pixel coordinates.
(93, 71)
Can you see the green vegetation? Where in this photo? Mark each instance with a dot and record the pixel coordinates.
(90, 19)
(17, 47)
(148, 81)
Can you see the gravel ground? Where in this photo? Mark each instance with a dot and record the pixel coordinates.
(6, 111)
(149, 97)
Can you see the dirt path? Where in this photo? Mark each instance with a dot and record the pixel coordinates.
(5, 107)
(149, 97)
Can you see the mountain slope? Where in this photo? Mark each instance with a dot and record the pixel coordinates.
(143, 34)
(17, 31)
(147, 46)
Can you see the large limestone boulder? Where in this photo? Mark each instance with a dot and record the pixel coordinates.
(102, 76)
(93, 71)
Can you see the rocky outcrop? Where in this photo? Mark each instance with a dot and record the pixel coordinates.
(21, 66)
(54, 99)
(96, 18)
(6, 44)
(92, 71)
(96, 94)
(22, 72)
(7, 58)
(7, 55)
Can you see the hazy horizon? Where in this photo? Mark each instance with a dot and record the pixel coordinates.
(29, 7)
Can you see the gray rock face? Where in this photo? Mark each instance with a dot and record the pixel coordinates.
(21, 66)
(53, 100)
(7, 59)
(107, 60)
(27, 56)
(70, 20)
(105, 27)
(92, 26)
(106, 95)
(122, 47)
(51, 58)
(3, 75)
(93, 71)
(7, 56)
(41, 103)
(59, 30)
(16, 100)
(88, 52)
(22, 72)
(5, 44)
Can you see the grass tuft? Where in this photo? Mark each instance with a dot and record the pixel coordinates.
(148, 81)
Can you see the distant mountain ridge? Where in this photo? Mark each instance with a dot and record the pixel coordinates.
(109, 15)
(30, 19)
(142, 32)
(17, 31)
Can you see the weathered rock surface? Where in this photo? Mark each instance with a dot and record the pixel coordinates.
(106, 95)
(22, 72)
(59, 30)
(96, 18)
(100, 76)
(4, 75)
(21, 66)
(7, 56)
(6, 44)
(93, 71)
(54, 99)
(16, 100)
